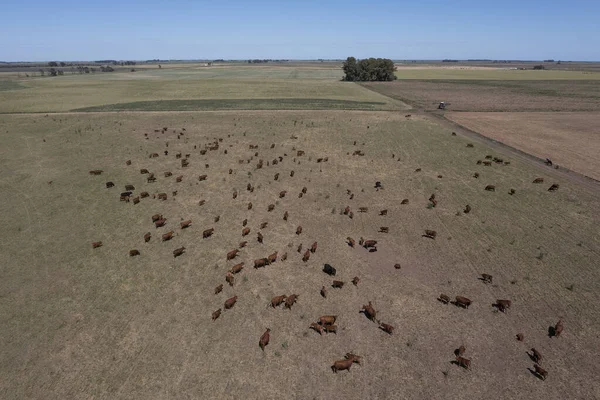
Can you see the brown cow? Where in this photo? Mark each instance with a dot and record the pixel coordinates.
(229, 303)
(397, 266)
(147, 237)
(462, 302)
(285, 216)
(208, 233)
(144, 195)
(351, 242)
(337, 284)
(304, 190)
(520, 337)
(460, 351)
(341, 365)
(327, 320)
(96, 172)
(185, 224)
(162, 196)
(95, 245)
(313, 248)
(347, 210)
(156, 217)
(237, 268)
(355, 280)
(386, 328)
(558, 328)
(250, 206)
(243, 244)
(264, 339)
(271, 207)
(369, 311)
(553, 188)
(354, 357)
(219, 289)
(503, 305)
(232, 254)
(538, 180)
(490, 188)
(536, 356)
(259, 237)
(134, 253)
(277, 300)
(541, 372)
(109, 185)
(323, 292)
(229, 278)
(276, 176)
(444, 298)
(272, 258)
(168, 174)
(245, 222)
(202, 177)
(179, 251)
(384, 229)
(128, 162)
(298, 230)
(292, 173)
(217, 218)
(317, 328)
(330, 329)
(369, 243)
(129, 187)
(430, 234)
(282, 194)
(245, 231)
(264, 225)
(167, 236)
(179, 178)
(306, 256)
(216, 314)
(463, 362)
(160, 223)
(476, 175)
(284, 256)
(261, 262)
(467, 209)
(291, 300)
(363, 209)
(486, 278)
(235, 193)
(405, 201)
(383, 212)
(201, 202)
(299, 248)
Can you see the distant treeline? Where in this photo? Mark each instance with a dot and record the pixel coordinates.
(446, 60)
(257, 61)
(369, 69)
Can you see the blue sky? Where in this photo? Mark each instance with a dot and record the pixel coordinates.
(42, 30)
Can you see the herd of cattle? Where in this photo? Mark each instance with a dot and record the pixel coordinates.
(325, 323)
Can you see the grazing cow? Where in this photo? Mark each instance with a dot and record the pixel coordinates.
(354, 357)
(327, 320)
(292, 173)
(384, 229)
(179, 251)
(216, 314)
(264, 225)
(487, 163)
(232, 254)
(243, 244)
(368, 243)
(347, 210)
(109, 184)
(95, 245)
(261, 262)
(298, 230)
(185, 163)
(462, 302)
(397, 266)
(490, 188)
(245, 231)
(277, 300)
(259, 237)
(520, 337)
(229, 303)
(271, 207)
(229, 278)
(230, 170)
(503, 305)
(151, 178)
(245, 222)
(160, 223)
(208, 233)
(250, 206)
(558, 328)
(317, 328)
(329, 270)
(144, 171)
(156, 217)
(219, 289)
(264, 339)
(306, 256)
(168, 174)
(185, 224)
(144, 195)
(363, 209)
(369, 311)
(467, 209)
(272, 258)
(351, 242)
(386, 328)
(291, 300)
(167, 236)
(418, 170)
(134, 252)
(554, 187)
(124, 198)
(128, 162)
(237, 268)
(299, 248)
(540, 372)
(284, 256)
(313, 248)
(96, 172)
(285, 216)
(330, 329)
(147, 237)
(538, 180)
(235, 193)
(162, 196)
(341, 365)
(486, 278)
(444, 298)
(179, 178)
(463, 362)
(202, 177)
(383, 212)
(476, 175)
(460, 351)
(201, 202)
(217, 218)
(355, 280)
(282, 194)
(323, 292)
(405, 201)
(512, 191)
(469, 144)
(536, 356)
(430, 234)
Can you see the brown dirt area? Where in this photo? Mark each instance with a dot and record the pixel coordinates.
(494, 95)
(87, 323)
(568, 139)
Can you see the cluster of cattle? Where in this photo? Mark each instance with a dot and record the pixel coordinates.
(326, 323)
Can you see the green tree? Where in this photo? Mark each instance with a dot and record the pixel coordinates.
(369, 69)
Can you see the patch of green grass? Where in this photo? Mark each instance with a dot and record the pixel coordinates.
(10, 85)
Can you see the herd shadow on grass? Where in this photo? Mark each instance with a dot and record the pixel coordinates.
(238, 104)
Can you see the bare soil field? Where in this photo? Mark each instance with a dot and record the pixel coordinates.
(495, 95)
(571, 140)
(83, 322)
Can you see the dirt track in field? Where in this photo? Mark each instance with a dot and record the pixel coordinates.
(571, 140)
(83, 322)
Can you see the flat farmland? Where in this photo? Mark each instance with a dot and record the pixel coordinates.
(571, 140)
(495, 95)
(79, 322)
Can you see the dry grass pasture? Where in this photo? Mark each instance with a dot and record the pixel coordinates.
(568, 139)
(79, 322)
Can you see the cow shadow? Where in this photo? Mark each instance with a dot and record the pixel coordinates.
(456, 352)
(551, 331)
(541, 378)
(454, 362)
(428, 236)
(531, 357)
(373, 250)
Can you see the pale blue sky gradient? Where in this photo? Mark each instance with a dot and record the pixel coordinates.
(42, 30)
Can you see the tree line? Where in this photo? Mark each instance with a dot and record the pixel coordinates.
(369, 69)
